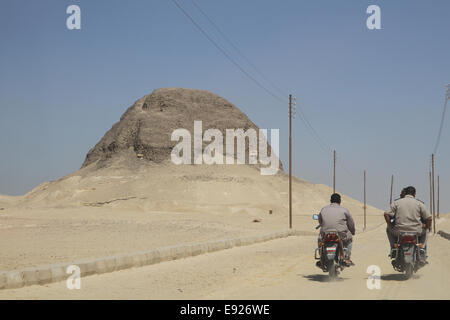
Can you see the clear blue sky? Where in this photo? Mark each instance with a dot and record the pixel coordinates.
(376, 96)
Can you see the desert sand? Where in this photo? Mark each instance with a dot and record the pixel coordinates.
(92, 216)
(278, 269)
(127, 196)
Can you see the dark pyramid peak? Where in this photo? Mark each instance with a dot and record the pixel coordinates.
(144, 130)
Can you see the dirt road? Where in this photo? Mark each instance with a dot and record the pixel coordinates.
(278, 269)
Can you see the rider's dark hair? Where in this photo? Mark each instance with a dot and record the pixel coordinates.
(403, 193)
(410, 191)
(335, 198)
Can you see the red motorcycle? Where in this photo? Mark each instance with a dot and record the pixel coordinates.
(407, 254)
(331, 253)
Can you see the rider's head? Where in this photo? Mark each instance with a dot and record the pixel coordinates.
(410, 191)
(335, 198)
(403, 193)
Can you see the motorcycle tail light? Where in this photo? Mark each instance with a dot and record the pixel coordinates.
(331, 237)
(408, 239)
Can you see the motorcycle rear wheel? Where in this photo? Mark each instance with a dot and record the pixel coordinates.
(332, 272)
(409, 270)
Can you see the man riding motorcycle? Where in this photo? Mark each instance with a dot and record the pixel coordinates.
(409, 215)
(335, 217)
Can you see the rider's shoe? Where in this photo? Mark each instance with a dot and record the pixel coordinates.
(349, 263)
(393, 254)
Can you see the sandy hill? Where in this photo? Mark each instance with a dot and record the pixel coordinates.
(128, 195)
(130, 166)
(145, 129)
(7, 201)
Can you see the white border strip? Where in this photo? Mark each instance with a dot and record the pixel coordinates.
(57, 272)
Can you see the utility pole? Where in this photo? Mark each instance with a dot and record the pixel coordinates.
(392, 188)
(434, 203)
(365, 200)
(334, 171)
(290, 161)
(431, 195)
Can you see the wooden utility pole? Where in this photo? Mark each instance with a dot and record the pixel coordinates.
(434, 203)
(392, 189)
(334, 171)
(431, 195)
(290, 161)
(365, 200)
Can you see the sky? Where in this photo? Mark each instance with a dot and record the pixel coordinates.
(375, 96)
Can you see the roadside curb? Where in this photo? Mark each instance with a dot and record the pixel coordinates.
(444, 234)
(57, 272)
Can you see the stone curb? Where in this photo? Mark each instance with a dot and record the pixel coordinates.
(57, 272)
(444, 234)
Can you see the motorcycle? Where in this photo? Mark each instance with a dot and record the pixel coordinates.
(407, 254)
(331, 253)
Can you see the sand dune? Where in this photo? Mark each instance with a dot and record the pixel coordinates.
(128, 196)
(111, 211)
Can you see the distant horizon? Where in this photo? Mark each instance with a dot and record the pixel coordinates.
(286, 171)
(374, 96)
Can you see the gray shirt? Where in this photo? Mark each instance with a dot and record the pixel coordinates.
(408, 213)
(335, 217)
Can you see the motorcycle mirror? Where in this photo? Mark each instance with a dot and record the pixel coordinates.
(315, 217)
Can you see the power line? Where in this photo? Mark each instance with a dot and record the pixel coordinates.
(447, 97)
(226, 54)
(303, 117)
(239, 52)
(321, 142)
(324, 146)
